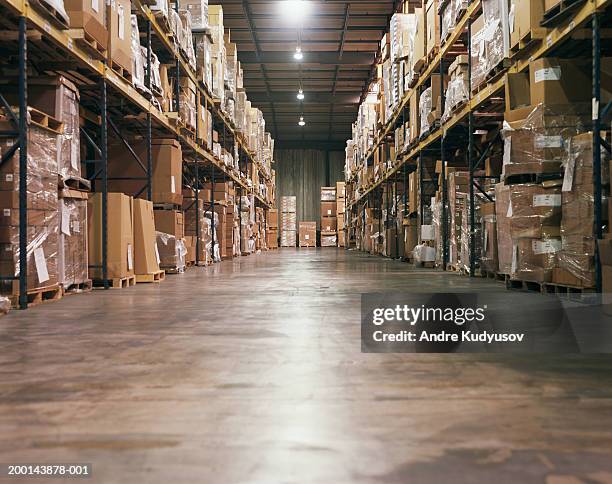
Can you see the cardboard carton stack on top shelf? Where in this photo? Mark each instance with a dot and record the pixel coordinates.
(329, 219)
(341, 212)
(288, 221)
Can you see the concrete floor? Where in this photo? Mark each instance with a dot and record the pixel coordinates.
(251, 372)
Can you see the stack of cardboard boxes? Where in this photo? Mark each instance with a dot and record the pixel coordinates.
(341, 212)
(329, 217)
(288, 221)
(308, 234)
(272, 228)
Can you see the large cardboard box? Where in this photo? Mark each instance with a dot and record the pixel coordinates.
(340, 207)
(272, 218)
(524, 20)
(329, 224)
(119, 25)
(504, 239)
(328, 209)
(120, 235)
(89, 15)
(411, 236)
(308, 234)
(558, 81)
(272, 238)
(432, 25)
(167, 171)
(171, 222)
(534, 211)
(146, 255)
(340, 190)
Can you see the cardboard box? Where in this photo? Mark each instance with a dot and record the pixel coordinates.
(432, 40)
(167, 179)
(341, 223)
(72, 260)
(341, 239)
(535, 259)
(328, 209)
(526, 16)
(170, 222)
(329, 224)
(340, 190)
(146, 255)
(340, 207)
(89, 15)
(329, 240)
(120, 235)
(119, 24)
(272, 218)
(272, 238)
(534, 211)
(558, 81)
(308, 234)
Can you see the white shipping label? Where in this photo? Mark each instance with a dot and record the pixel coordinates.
(7, 212)
(486, 240)
(507, 150)
(543, 141)
(41, 265)
(9, 177)
(74, 155)
(76, 226)
(95, 6)
(157, 254)
(121, 20)
(329, 212)
(65, 220)
(130, 259)
(172, 184)
(549, 246)
(514, 258)
(568, 176)
(307, 237)
(548, 74)
(552, 200)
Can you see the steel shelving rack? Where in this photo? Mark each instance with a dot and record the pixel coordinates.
(103, 92)
(584, 14)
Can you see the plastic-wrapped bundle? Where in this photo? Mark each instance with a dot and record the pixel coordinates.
(456, 94)
(425, 106)
(449, 15)
(488, 240)
(42, 198)
(215, 230)
(199, 12)
(534, 211)
(538, 143)
(329, 240)
(176, 26)
(72, 242)
(138, 59)
(186, 42)
(466, 235)
(423, 253)
(203, 58)
(171, 252)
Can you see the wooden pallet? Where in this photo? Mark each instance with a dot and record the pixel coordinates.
(521, 49)
(85, 40)
(493, 76)
(574, 293)
(38, 296)
(120, 70)
(75, 183)
(150, 278)
(53, 15)
(307, 246)
(524, 286)
(78, 288)
(173, 270)
(560, 11)
(42, 120)
(116, 283)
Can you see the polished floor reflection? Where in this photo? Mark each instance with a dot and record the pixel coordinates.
(251, 372)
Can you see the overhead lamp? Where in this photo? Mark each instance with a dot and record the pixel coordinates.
(295, 10)
(302, 122)
(298, 54)
(300, 95)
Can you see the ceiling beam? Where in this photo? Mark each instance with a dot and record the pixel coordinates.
(310, 57)
(324, 145)
(311, 97)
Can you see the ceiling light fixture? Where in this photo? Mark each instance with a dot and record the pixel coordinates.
(302, 122)
(295, 10)
(298, 54)
(300, 95)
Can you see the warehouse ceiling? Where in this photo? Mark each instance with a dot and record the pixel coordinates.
(339, 40)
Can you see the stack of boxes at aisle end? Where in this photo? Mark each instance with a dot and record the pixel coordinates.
(272, 228)
(341, 212)
(329, 218)
(288, 222)
(308, 234)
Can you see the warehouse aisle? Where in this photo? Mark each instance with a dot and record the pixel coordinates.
(251, 372)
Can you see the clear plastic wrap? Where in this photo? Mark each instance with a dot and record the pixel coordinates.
(423, 253)
(203, 58)
(538, 143)
(172, 252)
(534, 259)
(288, 238)
(425, 107)
(138, 59)
(504, 239)
(457, 92)
(198, 10)
(72, 243)
(42, 197)
(69, 163)
(466, 235)
(449, 19)
(490, 40)
(329, 240)
(489, 261)
(288, 204)
(187, 39)
(534, 211)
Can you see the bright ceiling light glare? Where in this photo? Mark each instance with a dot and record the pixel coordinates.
(298, 54)
(295, 10)
(302, 122)
(300, 95)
